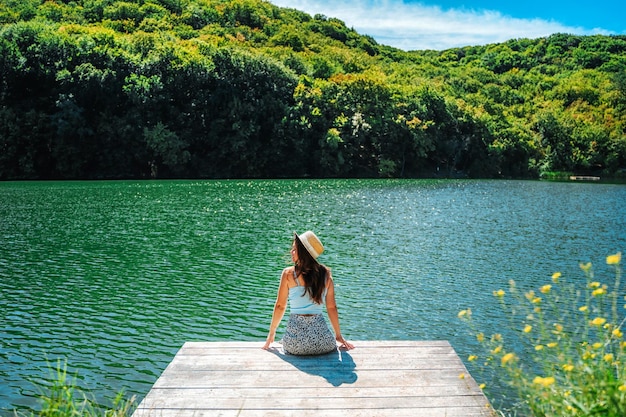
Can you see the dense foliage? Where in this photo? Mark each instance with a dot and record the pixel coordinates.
(241, 88)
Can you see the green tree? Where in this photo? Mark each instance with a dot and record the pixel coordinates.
(165, 146)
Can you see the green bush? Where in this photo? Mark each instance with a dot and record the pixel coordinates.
(62, 398)
(569, 354)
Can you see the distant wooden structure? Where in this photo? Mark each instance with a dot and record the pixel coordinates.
(377, 378)
(583, 178)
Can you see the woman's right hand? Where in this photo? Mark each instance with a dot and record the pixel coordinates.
(270, 339)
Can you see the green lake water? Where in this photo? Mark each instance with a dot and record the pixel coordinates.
(115, 276)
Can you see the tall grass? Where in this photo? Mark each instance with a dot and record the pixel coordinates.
(567, 356)
(60, 397)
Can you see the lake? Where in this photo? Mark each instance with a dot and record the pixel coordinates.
(115, 276)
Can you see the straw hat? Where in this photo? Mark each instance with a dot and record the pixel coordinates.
(312, 243)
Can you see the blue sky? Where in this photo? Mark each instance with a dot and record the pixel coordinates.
(443, 24)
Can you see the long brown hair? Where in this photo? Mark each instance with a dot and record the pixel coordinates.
(313, 273)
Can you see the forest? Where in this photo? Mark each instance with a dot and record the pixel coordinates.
(109, 89)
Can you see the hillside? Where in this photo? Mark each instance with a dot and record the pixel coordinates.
(244, 89)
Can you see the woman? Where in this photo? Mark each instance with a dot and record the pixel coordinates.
(307, 285)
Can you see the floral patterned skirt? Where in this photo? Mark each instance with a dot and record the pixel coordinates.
(308, 335)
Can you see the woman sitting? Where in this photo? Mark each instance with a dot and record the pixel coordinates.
(308, 285)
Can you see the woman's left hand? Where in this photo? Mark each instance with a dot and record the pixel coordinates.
(344, 343)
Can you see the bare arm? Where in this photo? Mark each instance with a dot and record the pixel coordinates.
(279, 308)
(333, 313)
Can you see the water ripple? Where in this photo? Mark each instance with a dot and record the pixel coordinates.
(115, 276)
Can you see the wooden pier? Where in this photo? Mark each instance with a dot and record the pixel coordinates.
(381, 378)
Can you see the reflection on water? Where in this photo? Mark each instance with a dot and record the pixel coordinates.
(115, 276)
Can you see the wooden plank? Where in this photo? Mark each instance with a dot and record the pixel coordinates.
(376, 344)
(238, 363)
(238, 356)
(301, 392)
(253, 379)
(253, 412)
(377, 378)
(212, 399)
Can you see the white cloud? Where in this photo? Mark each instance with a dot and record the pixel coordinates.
(415, 26)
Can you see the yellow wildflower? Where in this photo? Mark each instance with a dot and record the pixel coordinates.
(497, 350)
(558, 327)
(499, 293)
(546, 382)
(617, 333)
(465, 313)
(508, 358)
(528, 328)
(614, 259)
(546, 289)
(598, 321)
(598, 291)
(497, 337)
(472, 358)
(583, 308)
(530, 295)
(480, 337)
(461, 375)
(588, 355)
(608, 357)
(585, 267)
(622, 345)
(537, 309)
(594, 284)
(597, 345)
(622, 387)
(568, 367)
(482, 386)
(552, 344)
(538, 347)
(536, 300)
(555, 277)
